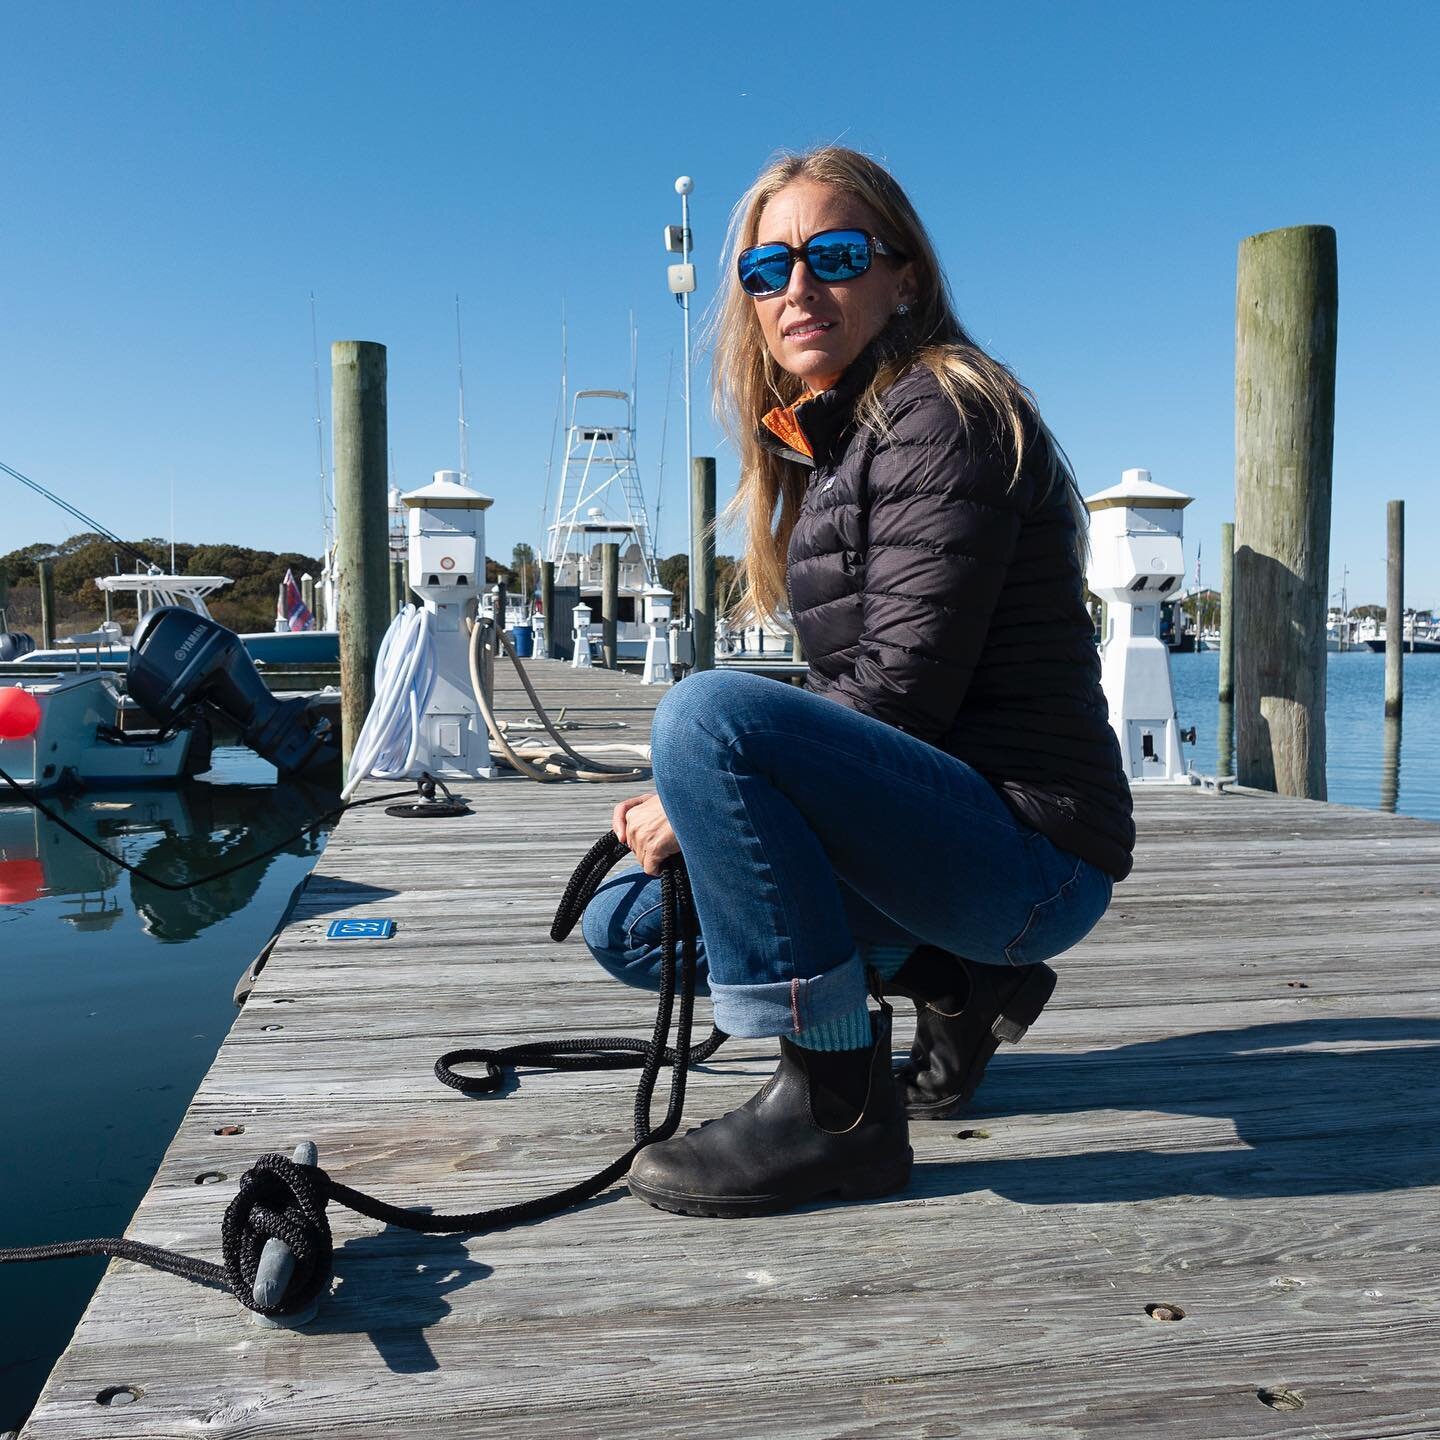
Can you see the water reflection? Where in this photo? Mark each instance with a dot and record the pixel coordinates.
(176, 835)
(1390, 765)
(136, 1010)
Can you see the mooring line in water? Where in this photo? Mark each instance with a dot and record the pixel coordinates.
(281, 1199)
(99, 849)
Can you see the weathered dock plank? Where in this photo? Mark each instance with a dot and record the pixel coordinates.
(1228, 1107)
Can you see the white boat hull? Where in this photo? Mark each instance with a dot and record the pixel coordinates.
(77, 744)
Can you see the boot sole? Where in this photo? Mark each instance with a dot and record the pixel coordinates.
(727, 1207)
(1021, 1010)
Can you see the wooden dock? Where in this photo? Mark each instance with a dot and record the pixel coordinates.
(1228, 1110)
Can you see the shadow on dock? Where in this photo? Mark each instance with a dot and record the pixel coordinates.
(1310, 1122)
(417, 1278)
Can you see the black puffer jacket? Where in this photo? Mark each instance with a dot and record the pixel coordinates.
(933, 594)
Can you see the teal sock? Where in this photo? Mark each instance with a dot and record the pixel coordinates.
(886, 960)
(850, 1031)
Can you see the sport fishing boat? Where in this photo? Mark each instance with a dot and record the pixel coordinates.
(109, 645)
(63, 731)
(1419, 635)
(600, 501)
(78, 743)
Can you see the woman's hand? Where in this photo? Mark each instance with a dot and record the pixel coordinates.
(640, 823)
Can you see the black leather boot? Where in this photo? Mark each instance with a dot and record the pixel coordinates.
(801, 1137)
(962, 1013)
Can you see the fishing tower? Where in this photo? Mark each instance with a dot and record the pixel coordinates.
(600, 500)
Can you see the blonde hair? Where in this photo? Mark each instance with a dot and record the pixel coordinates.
(748, 382)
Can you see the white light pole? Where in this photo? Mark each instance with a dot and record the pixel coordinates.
(682, 284)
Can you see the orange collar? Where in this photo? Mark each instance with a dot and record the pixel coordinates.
(781, 423)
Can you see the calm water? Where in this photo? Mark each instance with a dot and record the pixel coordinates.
(1354, 727)
(116, 996)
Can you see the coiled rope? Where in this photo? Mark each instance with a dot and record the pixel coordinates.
(279, 1198)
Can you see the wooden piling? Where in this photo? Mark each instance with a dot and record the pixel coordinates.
(1286, 305)
(359, 430)
(547, 605)
(1227, 613)
(1394, 608)
(45, 571)
(609, 603)
(1390, 765)
(307, 595)
(702, 560)
(1225, 738)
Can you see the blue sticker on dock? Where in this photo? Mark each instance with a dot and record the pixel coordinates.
(360, 930)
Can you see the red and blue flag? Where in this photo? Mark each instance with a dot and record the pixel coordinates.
(297, 613)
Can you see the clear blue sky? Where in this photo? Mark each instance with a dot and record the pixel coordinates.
(176, 179)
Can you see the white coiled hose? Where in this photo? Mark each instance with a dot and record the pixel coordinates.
(404, 677)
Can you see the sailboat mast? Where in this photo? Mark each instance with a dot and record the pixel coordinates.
(464, 428)
(660, 468)
(326, 505)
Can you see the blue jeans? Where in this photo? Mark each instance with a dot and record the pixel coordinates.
(812, 834)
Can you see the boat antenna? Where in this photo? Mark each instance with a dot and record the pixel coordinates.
(172, 524)
(555, 428)
(327, 503)
(464, 428)
(634, 373)
(84, 519)
(684, 186)
(660, 469)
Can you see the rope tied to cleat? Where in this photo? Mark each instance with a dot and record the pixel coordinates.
(281, 1199)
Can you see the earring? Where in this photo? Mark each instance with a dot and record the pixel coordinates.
(902, 309)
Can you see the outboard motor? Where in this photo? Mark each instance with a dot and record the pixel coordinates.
(179, 660)
(14, 644)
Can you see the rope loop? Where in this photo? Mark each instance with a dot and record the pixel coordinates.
(280, 1200)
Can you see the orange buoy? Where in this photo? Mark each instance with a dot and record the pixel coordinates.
(21, 881)
(19, 713)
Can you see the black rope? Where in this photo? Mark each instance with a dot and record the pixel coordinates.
(280, 1198)
(175, 886)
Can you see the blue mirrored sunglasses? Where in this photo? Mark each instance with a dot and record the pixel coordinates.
(831, 256)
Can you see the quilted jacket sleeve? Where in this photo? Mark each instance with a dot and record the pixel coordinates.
(942, 519)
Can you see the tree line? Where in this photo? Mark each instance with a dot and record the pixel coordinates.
(248, 603)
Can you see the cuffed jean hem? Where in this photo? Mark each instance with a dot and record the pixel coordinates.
(789, 1007)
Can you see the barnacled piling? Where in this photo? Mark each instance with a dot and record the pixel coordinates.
(1394, 608)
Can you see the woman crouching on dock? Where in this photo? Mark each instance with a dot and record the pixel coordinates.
(946, 785)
